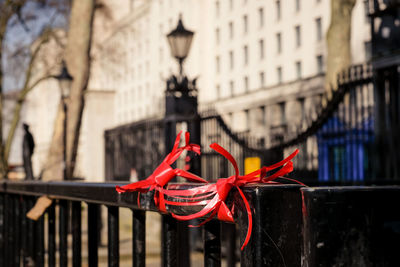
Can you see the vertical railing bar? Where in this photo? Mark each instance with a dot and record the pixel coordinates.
(93, 238)
(138, 238)
(30, 236)
(24, 230)
(212, 244)
(17, 232)
(169, 241)
(10, 228)
(63, 233)
(2, 230)
(230, 243)
(51, 241)
(113, 236)
(39, 241)
(76, 234)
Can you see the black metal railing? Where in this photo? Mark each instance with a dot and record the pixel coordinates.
(22, 241)
(292, 226)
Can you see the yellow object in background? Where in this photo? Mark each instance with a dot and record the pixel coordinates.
(251, 164)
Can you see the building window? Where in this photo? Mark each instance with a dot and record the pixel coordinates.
(217, 9)
(297, 4)
(217, 36)
(279, 43)
(298, 70)
(278, 9)
(320, 64)
(245, 26)
(218, 91)
(231, 30)
(247, 118)
(262, 79)
(245, 55)
(282, 111)
(232, 87)
(246, 83)
(230, 4)
(261, 16)
(368, 50)
(231, 59)
(298, 35)
(279, 74)
(261, 44)
(217, 64)
(318, 24)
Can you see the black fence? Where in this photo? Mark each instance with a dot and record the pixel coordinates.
(292, 226)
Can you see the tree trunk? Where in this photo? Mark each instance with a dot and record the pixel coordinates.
(338, 40)
(77, 57)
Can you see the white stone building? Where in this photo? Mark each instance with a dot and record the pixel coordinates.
(258, 62)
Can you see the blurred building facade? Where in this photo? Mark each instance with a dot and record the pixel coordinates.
(259, 63)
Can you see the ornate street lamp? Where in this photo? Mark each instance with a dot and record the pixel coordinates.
(65, 82)
(179, 41)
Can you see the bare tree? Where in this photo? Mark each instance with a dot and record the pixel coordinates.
(339, 40)
(77, 57)
(12, 14)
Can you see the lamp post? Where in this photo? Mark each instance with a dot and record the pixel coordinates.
(65, 81)
(180, 40)
(180, 106)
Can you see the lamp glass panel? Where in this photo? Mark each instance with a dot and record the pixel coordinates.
(180, 45)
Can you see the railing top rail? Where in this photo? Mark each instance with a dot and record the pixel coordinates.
(105, 193)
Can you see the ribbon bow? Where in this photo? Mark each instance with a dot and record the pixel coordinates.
(213, 196)
(165, 173)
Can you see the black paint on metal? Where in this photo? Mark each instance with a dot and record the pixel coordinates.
(51, 241)
(138, 238)
(212, 244)
(24, 230)
(76, 234)
(17, 232)
(63, 232)
(276, 234)
(351, 226)
(169, 241)
(229, 240)
(31, 237)
(113, 236)
(39, 241)
(93, 234)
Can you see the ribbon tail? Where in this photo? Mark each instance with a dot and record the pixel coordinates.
(249, 217)
(189, 176)
(284, 170)
(133, 186)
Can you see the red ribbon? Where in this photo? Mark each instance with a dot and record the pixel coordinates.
(211, 196)
(164, 173)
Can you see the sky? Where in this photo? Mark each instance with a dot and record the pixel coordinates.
(19, 37)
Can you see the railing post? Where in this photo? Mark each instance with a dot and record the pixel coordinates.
(277, 220)
(351, 226)
(2, 230)
(39, 241)
(76, 234)
(212, 244)
(138, 238)
(169, 241)
(51, 246)
(93, 234)
(113, 236)
(63, 225)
